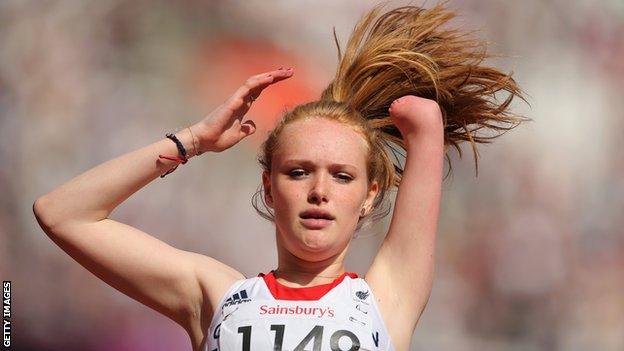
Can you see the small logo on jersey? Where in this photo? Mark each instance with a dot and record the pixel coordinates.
(362, 295)
(238, 298)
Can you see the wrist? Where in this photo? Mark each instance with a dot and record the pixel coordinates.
(189, 141)
(204, 138)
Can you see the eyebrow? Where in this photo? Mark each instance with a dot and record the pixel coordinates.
(310, 163)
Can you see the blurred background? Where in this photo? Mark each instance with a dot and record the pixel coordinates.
(530, 253)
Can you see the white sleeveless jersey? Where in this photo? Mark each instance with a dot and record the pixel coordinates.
(250, 318)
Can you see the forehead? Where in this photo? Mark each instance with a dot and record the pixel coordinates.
(323, 141)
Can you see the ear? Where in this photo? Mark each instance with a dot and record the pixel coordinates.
(370, 197)
(266, 183)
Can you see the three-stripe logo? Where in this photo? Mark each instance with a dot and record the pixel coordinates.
(238, 298)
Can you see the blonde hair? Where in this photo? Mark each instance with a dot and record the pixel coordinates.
(407, 51)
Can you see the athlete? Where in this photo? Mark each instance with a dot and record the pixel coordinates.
(406, 84)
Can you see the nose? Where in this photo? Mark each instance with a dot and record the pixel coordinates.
(318, 192)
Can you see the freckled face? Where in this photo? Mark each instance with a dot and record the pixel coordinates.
(320, 165)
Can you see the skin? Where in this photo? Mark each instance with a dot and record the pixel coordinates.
(401, 274)
(187, 287)
(320, 164)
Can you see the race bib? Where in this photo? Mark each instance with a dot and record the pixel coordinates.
(293, 326)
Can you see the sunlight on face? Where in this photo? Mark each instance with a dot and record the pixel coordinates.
(318, 185)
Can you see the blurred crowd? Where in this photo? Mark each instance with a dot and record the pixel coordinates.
(530, 253)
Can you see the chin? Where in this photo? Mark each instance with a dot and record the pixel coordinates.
(315, 243)
(312, 245)
(316, 248)
(314, 256)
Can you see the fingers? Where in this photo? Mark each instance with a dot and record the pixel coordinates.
(281, 74)
(252, 88)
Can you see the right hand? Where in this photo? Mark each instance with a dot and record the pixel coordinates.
(223, 127)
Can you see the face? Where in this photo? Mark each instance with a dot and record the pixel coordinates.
(317, 187)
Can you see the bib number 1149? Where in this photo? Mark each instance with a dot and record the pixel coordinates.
(315, 336)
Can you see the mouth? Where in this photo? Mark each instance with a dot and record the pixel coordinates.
(315, 223)
(316, 219)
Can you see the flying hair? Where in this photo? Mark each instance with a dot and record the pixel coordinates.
(409, 50)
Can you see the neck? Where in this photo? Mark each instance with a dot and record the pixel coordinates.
(296, 272)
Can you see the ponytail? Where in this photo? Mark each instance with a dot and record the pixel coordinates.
(410, 51)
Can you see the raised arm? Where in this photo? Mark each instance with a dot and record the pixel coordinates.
(181, 285)
(401, 274)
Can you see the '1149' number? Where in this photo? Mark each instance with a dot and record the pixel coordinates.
(315, 336)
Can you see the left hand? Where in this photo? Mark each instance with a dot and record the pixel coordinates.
(413, 115)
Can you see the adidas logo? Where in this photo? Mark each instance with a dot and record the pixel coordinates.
(238, 298)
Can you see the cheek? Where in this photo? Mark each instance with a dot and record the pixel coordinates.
(351, 203)
(285, 198)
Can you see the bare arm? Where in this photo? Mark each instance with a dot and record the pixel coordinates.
(74, 216)
(402, 272)
(182, 285)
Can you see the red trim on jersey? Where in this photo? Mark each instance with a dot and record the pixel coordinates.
(282, 292)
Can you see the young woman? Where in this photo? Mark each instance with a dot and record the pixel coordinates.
(404, 84)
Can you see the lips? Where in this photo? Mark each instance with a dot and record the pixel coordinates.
(316, 213)
(316, 218)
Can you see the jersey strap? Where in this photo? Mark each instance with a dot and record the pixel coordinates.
(282, 292)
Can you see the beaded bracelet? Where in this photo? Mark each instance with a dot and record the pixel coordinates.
(181, 150)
